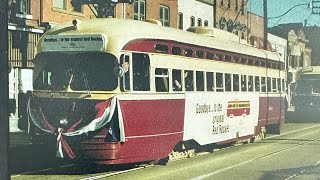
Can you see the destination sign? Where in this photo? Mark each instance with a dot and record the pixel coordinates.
(73, 43)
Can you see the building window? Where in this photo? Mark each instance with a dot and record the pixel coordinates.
(180, 21)
(199, 22)
(139, 10)
(25, 6)
(229, 4)
(192, 21)
(77, 8)
(221, 3)
(61, 4)
(164, 15)
(206, 23)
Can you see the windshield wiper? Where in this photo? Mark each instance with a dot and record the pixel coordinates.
(85, 78)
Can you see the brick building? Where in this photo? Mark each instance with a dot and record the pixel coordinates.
(231, 15)
(166, 11)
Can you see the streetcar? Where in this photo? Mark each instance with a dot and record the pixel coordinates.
(114, 91)
(238, 108)
(306, 94)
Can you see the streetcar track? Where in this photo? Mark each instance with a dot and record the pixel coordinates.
(199, 154)
(294, 131)
(259, 157)
(41, 170)
(115, 173)
(302, 171)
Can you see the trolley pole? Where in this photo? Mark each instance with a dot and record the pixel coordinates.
(4, 91)
(265, 22)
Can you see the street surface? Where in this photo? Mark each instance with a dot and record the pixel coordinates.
(295, 154)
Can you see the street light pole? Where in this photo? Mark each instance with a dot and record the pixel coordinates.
(4, 91)
(265, 22)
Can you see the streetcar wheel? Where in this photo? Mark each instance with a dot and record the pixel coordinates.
(163, 161)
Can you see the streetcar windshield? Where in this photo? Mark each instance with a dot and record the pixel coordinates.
(308, 86)
(79, 71)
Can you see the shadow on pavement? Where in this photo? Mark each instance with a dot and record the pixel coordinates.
(302, 117)
(306, 172)
(25, 157)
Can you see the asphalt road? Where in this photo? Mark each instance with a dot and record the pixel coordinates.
(295, 154)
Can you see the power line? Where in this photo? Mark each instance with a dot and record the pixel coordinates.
(281, 16)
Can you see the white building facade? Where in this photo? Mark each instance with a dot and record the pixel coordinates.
(195, 13)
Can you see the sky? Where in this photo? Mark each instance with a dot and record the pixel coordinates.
(279, 7)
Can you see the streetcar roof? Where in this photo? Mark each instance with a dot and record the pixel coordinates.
(310, 70)
(132, 29)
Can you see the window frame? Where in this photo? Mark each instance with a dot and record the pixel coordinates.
(57, 4)
(192, 21)
(180, 25)
(161, 76)
(164, 9)
(140, 15)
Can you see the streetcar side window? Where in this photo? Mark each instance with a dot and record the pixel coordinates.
(200, 81)
(219, 82)
(279, 84)
(274, 85)
(235, 82)
(176, 50)
(188, 79)
(257, 83)
(209, 55)
(227, 82)
(243, 83)
(140, 68)
(161, 48)
(125, 79)
(250, 83)
(269, 88)
(236, 59)
(176, 80)
(161, 80)
(188, 52)
(199, 54)
(210, 81)
(263, 84)
(227, 58)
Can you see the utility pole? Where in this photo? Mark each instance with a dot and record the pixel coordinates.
(4, 91)
(265, 22)
(104, 8)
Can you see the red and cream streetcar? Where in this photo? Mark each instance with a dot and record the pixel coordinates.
(120, 91)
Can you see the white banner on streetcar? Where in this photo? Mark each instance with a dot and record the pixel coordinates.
(91, 42)
(215, 117)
